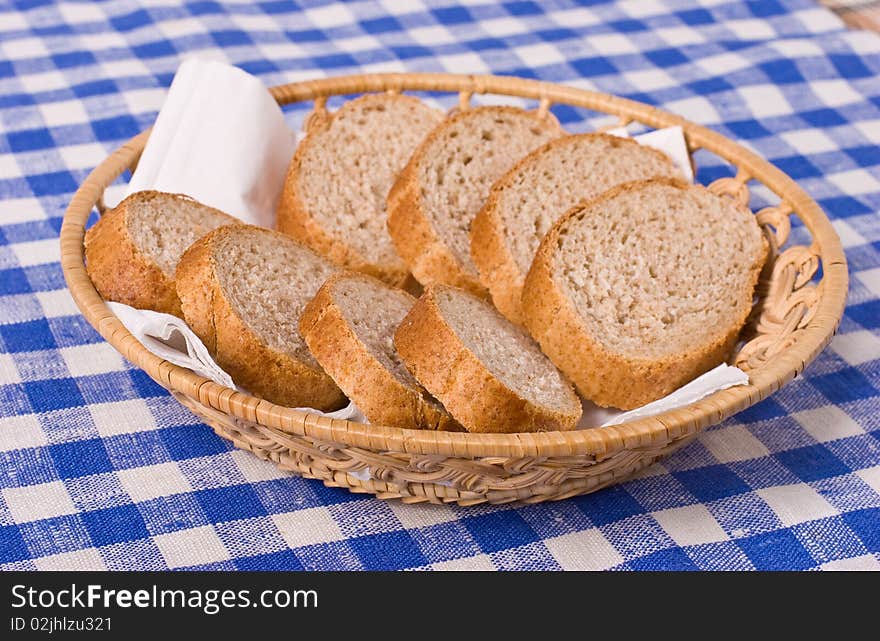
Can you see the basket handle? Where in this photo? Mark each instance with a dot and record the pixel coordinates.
(319, 115)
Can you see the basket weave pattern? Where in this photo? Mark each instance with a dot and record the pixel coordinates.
(793, 319)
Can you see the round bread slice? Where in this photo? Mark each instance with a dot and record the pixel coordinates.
(529, 198)
(488, 373)
(644, 288)
(243, 290)
(335, 193)
(132, 251)
(349, 327)
(446, 182)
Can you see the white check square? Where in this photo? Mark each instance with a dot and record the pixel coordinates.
(827, 423)
(679, 36)
(68, 112)
(96, 358)
(464, 63)
(585, 550)
(855, 182)
(611, 44)
(76, 561)
(650, 79)
(8, 371)
(795, 504)
(698, 109)
(19, 432)
(479, 563)
(334, 15)
(431, 36)
(735, 443)
(809, 141)
(849, 237)
(864, 563)
(36, 502)
(57, 303)
(690, 525)
(122, 417)
(417, 516)
(724, 63)
(871, 476)
(153, 481)
(196, 546)
(83, 156)
(750, 29)
(307, 527)
(539, 54)
(835, 93)
(255, 469)
(765, 101)
(37, 252)
(870, 278)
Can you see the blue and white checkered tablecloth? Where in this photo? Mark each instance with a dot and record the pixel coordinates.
(101, 468)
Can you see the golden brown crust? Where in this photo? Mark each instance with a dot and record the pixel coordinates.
(498, 269)
(295, 220)
(120, 271)
(429, 258)
(253, 365)
(453, 374)
(607, 378)
(382, 398)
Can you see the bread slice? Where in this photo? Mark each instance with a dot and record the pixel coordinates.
(644, 288)
(132, 251)
(243, 290)
(446, 182)
(335, 193)
(487, 372)
(528, 199)
(349, 327)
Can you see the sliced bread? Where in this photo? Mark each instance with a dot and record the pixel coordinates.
(644, 288)
(446, 182)
(243, 290)
(132, 251)
(488, 373)
(529, 198)
(335, 193)
(349, 327)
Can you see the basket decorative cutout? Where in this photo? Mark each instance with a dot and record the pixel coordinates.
(794, 318)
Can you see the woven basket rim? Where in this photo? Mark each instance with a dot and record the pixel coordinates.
(600, 441)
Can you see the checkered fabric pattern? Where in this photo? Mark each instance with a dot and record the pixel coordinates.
(101, 468)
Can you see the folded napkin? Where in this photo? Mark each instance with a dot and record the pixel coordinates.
(220, 138)
(669, 140)
(170, 338)
(715, 380)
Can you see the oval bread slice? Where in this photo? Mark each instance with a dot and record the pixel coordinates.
(488, 373)
(644, 288)
(336, 189)
(132, 251)
(446, 182)
(528, 199)
(243, 289)
(349, 328)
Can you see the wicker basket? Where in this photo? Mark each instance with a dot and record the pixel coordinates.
(794, 319)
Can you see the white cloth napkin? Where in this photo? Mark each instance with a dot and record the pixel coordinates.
(669, 140)
(170, 338)
(221, 139)
(722, 377)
